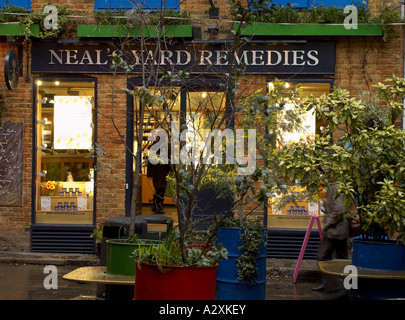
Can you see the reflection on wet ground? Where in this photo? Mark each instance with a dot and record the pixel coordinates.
(26, 282)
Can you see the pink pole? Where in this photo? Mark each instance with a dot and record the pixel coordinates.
(319, 226)
(304, 245)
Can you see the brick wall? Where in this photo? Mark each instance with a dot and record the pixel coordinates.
(18, 108)
(111, 176)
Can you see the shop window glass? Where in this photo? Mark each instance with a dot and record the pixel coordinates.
(64, 138)
(296, 214)
(18, 3)
(128, 4)
(196, 109)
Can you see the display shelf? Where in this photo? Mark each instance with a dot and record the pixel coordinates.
(49, 203)
(65, 217)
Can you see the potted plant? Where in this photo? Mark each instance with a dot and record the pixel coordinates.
(242, 276)
(156, 97)
(367, 164)
(243, 185)
(162, 273)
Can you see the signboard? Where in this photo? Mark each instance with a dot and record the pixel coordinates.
(11, 164)
(73, 122)
(307, 57)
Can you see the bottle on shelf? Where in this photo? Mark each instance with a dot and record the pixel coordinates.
(69, 177)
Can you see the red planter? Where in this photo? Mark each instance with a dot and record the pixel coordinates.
(175, 283)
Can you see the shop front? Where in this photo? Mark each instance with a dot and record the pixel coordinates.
(66, 111)
(307, 64)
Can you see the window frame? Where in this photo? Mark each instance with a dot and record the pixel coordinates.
(63, 78)
(193, 85)
(26, 4)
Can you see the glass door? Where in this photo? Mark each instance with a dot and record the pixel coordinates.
(65, 136)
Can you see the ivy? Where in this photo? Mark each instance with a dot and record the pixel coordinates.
(252, 238)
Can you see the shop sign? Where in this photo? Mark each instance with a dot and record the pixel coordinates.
(310, 57)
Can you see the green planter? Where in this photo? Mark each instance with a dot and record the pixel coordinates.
(310, 29)
(16, 29)
(118, 260)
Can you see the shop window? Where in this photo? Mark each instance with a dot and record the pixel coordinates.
(18, 3)
(296, 214)
(64, 182)
(128, 4)
(195, 109)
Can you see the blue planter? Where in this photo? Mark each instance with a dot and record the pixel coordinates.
(228, 287)
(388, 256)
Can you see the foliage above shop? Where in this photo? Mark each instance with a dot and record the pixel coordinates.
(268, 12)
(27, 20)
(67, 20)
(135, 18)
(264, 12)
(273, 13)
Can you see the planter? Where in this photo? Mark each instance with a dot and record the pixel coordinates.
(118, 259)
(310, 29)
(175, 283)
(228, 287)
(388, 256)
(386, 262)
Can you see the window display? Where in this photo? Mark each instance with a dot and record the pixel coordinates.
(297, 214)
(64, 138)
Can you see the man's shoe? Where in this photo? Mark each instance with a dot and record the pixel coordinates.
(322, 287)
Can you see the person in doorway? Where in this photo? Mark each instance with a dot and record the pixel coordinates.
(158, 172)
(335, 236)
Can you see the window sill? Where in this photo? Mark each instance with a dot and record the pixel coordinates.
(316, 29)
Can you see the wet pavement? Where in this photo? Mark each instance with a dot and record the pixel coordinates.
(19, 281)
(26, 282)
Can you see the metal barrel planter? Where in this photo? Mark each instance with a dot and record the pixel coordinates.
(388, 256)
(385, 262)
(228, 286)
(118, 260)
(174, 282)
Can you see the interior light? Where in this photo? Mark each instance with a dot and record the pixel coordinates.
(57, 83)
(43, 147)
(287, 85)
(43, 121)
(271, 86)
(39, 82)
(204, 94)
